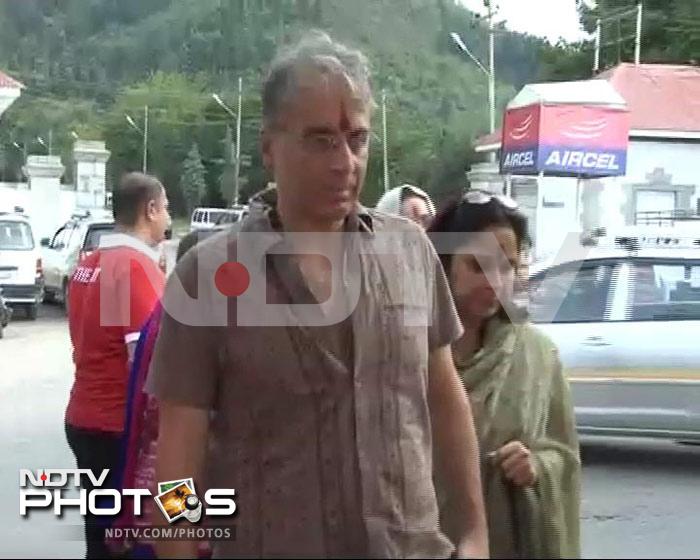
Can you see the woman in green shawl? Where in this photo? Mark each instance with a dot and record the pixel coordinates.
(512, 373)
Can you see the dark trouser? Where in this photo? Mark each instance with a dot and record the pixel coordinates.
(94, 450)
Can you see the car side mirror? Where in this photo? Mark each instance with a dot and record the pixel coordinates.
(45, 242)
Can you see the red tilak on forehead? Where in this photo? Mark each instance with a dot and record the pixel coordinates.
(344, 119)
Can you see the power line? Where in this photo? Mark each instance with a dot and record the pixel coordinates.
(610, 43)
(609, 16)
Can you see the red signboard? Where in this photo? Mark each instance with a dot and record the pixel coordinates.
(565, 140)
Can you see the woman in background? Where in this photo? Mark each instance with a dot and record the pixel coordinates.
(410, 202)
(512, 373)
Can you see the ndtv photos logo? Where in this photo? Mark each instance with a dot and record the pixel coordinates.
(48, 488)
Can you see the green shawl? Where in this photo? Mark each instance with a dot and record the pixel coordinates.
(518, 392)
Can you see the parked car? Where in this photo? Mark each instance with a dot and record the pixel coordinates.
(72, 242)
(207, 218)
(226, 221)
(21, 271)
(5, 314)
(625, 319)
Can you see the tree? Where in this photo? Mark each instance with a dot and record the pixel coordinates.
(670, 30)
(177, 117)
(192, 181)
(101, 59)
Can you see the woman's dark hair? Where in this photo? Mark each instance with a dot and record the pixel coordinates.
(460, 216)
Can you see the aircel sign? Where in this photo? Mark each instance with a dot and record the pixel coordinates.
(565, 140)
(47, 488)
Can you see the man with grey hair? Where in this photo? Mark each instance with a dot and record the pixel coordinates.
(325, 431)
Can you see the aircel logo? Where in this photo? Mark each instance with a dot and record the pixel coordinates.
(48, 488)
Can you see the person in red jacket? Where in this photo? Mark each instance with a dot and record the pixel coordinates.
(113, 292)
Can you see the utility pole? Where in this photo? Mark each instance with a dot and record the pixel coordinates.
(226, 178)
(238, 141)
(490, 72)
(145, 139)
(596, 60)
(492, 75)
(638, 36)
(384, 143)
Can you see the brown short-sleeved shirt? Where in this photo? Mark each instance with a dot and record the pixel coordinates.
(330, 452)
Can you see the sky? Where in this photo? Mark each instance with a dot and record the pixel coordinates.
(550, 19)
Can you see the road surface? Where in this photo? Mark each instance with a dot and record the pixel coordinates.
(641, 499)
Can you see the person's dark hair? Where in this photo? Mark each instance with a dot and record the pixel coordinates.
(132, 195)
(186, 243)
(460, 216)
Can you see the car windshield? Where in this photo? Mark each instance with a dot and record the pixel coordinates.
(666, 291)
(227, 218)
(16, 236)
(95, 233)
(215, 216)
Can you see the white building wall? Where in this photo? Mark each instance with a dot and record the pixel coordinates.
(680, 159)
(18, 194)
(650, 165)
(45, 200)
(555, 214)
(7, 97)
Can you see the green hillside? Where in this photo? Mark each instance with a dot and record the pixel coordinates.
(87, 63)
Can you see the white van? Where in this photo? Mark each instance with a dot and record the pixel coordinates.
(21, 273)
(207, 218)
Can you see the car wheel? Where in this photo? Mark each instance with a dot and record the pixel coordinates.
(32, 311)
(49, 296)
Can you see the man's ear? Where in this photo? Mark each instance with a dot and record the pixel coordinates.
(151, 210)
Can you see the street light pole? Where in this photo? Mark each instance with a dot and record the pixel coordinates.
(237, 116)
(238, 142)
(144, 132)
(596, 58)
(145, 139)
(492, 74)
(22, 149)
(638, 36)
(384, 143)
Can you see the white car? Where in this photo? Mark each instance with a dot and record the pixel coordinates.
(21, 273)
(626, 321)
(72, 242)
(208, 218)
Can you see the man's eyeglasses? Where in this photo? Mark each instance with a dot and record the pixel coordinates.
(482, 197)
(325, 142)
